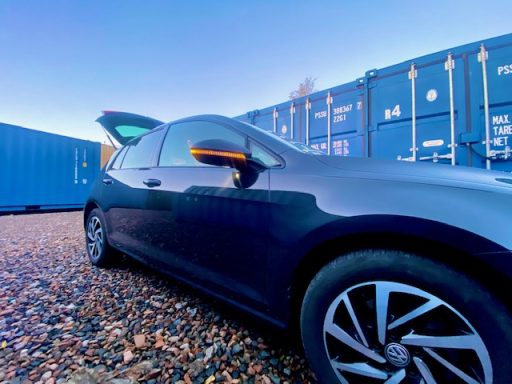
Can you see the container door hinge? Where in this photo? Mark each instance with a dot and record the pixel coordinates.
(275, 114)
(449, 63)
(413, 73)
(483, 55)
(329, 99)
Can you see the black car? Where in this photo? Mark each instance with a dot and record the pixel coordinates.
(395, 272)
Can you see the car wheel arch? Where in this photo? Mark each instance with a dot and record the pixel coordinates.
(89, 206)
(354, 290)
(324, 252)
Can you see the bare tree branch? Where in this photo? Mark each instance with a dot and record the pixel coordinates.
(305, 88)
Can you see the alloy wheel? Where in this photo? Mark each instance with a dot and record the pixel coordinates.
(94, 237)
(387, 332)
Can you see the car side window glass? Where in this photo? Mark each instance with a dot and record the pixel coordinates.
(261, 154)
(140, 152)
(119, 158)
(180, 138)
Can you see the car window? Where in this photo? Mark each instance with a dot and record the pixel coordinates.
(261, 154)
(118, 158)
(180, 137)
(140, 151)
(130, 130)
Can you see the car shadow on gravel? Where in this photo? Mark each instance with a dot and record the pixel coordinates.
(285, 338)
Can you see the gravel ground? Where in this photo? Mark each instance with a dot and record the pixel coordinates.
(63, 320)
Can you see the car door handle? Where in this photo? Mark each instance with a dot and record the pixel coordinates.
(108, 181)
(152, 183)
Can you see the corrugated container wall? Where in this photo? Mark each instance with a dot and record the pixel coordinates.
(45, 171)
(452, 107)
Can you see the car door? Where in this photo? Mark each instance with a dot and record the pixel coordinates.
(210, 232)
(125, 195)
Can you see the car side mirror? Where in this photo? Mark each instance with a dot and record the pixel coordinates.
(224, 153)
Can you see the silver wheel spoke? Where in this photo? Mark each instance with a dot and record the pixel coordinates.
(456, 371)
(424, 371)
(362, 369)
(345, 338)
(382, 299)
(396, 378)
(393, 347)
(95, 237)
(428, 306)
(353, 316)
(453, 342)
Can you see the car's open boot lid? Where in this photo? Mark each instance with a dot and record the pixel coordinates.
(124, 126)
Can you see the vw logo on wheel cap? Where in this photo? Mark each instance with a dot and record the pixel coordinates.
(397, 354)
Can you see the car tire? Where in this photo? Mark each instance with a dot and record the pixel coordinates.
(381, 316)
(99, 250)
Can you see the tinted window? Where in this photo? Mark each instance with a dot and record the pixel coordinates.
(261, 154)
(119, 158)
(180, 137)
(141, 151)
(130, 130)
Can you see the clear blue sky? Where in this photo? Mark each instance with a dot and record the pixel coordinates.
(62, 62)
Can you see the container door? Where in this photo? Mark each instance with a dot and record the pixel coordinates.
(390, 116)
(491, 83)
(299, 120)
(412, 117)
(336, 121)
(283, 122)
(439, 104)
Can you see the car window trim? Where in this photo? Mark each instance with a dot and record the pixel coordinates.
(122, 152)
(158, 147)
(156, 151)
(276, 157)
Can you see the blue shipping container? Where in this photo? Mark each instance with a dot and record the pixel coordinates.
(45, 171)
(452, 107)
